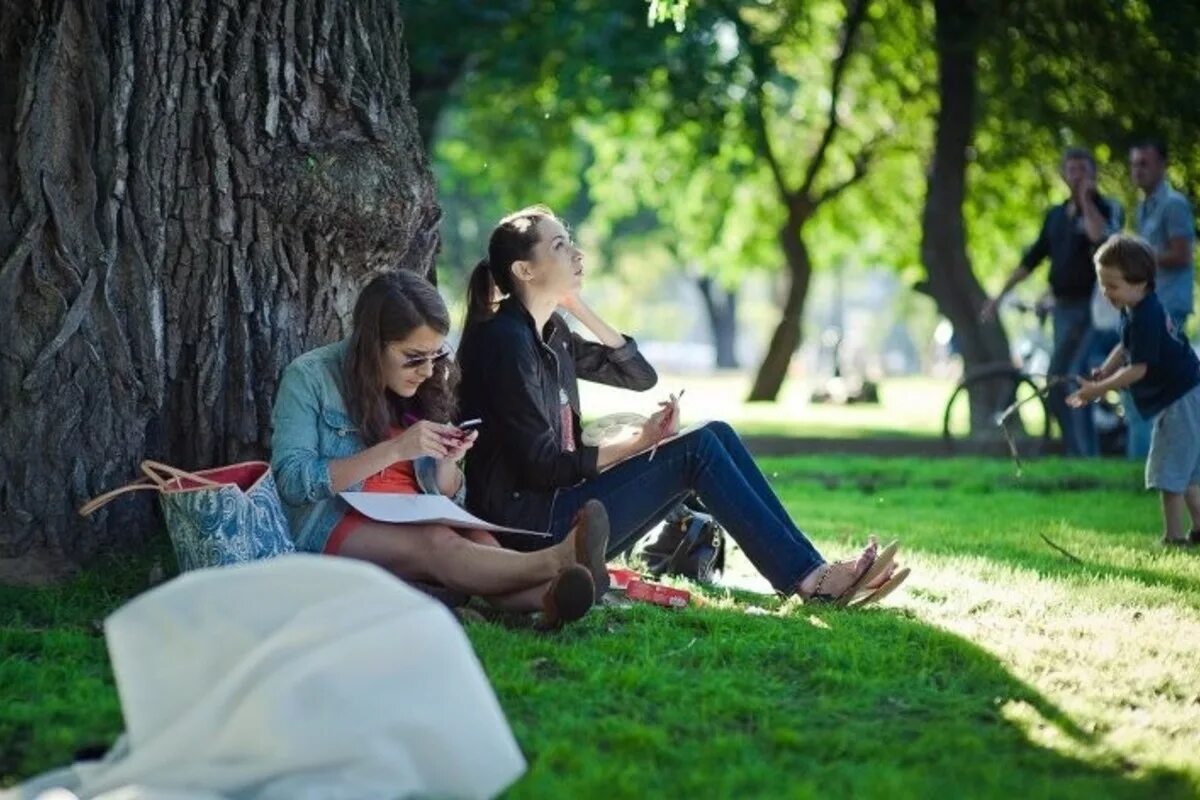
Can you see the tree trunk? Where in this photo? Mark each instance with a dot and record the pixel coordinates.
(721, 305)
(952, 283)
(786, 338)
(189, 195)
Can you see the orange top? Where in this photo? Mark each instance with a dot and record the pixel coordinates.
(397, 478)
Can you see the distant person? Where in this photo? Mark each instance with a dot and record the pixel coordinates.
(1162, 373)
(1165, 220)
(1070, 234)
(530, 469)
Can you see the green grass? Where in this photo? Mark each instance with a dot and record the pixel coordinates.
(1002, 669)
(908, 407)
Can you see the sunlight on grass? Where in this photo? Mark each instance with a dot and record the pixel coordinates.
(1002, 669)
(907, 407)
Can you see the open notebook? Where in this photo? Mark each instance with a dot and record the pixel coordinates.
(678, 435)
(413, 509)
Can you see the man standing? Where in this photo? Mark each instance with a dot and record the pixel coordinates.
(1070, 234)
(1164, 219)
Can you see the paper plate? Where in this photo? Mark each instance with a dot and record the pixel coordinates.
(613, 428)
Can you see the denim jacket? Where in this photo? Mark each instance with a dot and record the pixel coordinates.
(311, 428)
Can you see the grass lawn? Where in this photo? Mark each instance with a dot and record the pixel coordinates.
(1003, 669)
(907, 408)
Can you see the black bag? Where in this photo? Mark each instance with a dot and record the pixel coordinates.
(691, 545)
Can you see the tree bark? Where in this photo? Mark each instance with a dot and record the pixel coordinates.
(786, 338)
(189, 194)
(721, 305)
(952, 282)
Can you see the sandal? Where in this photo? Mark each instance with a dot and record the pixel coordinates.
(883, 590)
(568, 597)
(876, 564)
(591, 543)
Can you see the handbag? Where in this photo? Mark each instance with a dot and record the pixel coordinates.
(215, 517)
(691, 545)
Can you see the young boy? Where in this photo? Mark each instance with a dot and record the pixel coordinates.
(1163, 376)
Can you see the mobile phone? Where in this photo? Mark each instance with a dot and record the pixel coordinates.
(470, 423)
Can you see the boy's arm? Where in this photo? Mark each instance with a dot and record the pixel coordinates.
(1094, 390)
(1121, 379)
(1111, 363)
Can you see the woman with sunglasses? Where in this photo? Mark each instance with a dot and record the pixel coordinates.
(520, 365)
(372, 413)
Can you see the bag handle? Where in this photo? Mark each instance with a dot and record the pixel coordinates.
(695, 528)
(91, 506)
(153, 468)
(153, 480)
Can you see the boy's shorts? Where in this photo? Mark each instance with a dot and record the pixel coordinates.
(1174, 460)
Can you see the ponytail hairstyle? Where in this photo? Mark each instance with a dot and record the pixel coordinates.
(512, 240)
(391, 306)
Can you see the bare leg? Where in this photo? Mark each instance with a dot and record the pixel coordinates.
(1173, 507)
(1192, 498)
(437, 553)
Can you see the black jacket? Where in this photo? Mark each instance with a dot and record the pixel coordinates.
(513, 378)
(1065, 240)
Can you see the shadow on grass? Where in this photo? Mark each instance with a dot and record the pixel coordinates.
(56, 686)
(640, 702)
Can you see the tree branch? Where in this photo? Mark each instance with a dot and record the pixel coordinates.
(854, 20)
(862, 163)
(756, 116)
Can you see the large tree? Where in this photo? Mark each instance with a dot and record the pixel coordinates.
(188, 193)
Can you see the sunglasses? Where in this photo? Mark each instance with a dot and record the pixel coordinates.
(420, 361)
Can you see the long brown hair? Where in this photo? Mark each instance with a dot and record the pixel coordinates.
(389, 309)
(512, 240)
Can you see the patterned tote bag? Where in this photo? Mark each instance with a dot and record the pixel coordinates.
(215, 517)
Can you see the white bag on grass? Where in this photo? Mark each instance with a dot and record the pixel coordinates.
(299, 677)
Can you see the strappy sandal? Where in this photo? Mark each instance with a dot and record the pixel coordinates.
(568, 597)
(591, 543)
(882, 591)
(876, 566)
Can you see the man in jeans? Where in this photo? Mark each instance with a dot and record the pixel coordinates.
(1164, 219)
(1070, 234)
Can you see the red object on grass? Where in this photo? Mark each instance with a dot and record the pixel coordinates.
(657, 594)
(620, 577)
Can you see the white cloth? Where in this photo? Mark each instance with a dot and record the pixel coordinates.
(300, 677)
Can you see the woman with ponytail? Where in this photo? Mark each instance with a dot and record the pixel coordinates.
(529, 468)
(373, 413)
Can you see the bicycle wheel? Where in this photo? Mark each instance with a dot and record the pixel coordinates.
(995, 410)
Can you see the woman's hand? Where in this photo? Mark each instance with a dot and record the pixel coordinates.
(571, 303)
(662, 423)
(425, 438)
(462, 442)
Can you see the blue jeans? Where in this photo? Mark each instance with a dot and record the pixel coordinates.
(1137, 445)
(1072, 332)
(713, 463)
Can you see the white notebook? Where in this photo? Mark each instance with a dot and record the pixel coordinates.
(413, 509)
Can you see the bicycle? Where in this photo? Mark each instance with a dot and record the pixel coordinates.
(1003, 406)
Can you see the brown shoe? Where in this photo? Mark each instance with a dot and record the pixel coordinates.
(591, 542)
(568, 597)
